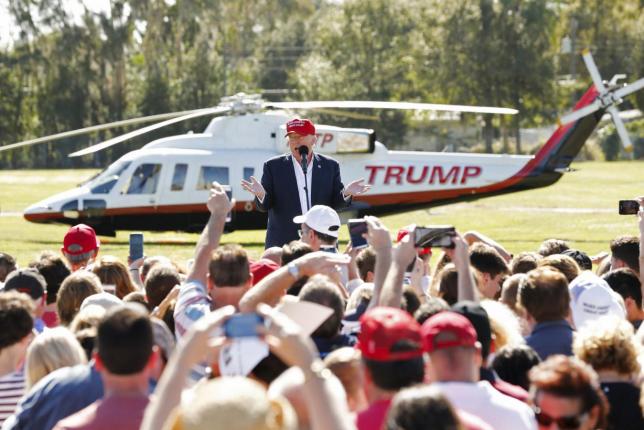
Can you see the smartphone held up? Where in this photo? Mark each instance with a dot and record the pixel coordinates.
(243, 325)
(357, 227)
(136, 246)
(629, 207)
(437, 236)
(229, 193)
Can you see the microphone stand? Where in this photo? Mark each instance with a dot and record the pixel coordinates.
(304, 152)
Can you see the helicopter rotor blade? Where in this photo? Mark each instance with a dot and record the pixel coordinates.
(580, 113)
(621, 129)
(346, 114)
(100, 146)
(390, 105)
(94, 128)
(629, 89)
(594, 72)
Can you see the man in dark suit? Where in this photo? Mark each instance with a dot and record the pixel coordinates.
(282, 189)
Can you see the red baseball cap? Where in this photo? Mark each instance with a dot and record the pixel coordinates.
(447, 329)
(381, 328)
(303, 127)
(262, 268)
(404, 232)
(80, 239)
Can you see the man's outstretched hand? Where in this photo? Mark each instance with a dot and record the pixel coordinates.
(255, 187)
(356, 188)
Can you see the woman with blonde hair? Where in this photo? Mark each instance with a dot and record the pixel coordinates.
(610, 347)
(49, 351)
(112, 271)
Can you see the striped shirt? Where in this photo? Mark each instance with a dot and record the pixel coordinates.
(192, 304)
(12, 388)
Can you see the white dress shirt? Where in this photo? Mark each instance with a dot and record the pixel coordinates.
(299, 178)
(484, 401)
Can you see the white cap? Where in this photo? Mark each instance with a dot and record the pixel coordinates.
(592, 298)
(322, 219)
(104, 300)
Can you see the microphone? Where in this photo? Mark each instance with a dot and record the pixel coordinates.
(304, 152)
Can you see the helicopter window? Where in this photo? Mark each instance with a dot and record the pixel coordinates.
(94, 207)
(103, 182)
(210, 174)
(145, 179)
(71, 205)
(248, 172)
(106, 186)
(179, 177)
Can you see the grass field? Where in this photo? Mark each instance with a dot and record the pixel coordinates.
(580, 208)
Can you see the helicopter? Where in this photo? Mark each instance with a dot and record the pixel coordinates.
(164, 185)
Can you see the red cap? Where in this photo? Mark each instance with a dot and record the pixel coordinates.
(303, 127)
(262, 268)
(447, 329)
(381, 328)
(80, 239)
(404, 232)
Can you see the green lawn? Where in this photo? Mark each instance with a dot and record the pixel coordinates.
(581, 208)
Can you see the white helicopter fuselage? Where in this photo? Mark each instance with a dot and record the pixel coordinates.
(164, 185)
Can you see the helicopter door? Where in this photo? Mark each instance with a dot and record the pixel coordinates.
(142, 188)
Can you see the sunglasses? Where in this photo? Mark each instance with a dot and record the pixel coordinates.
(563, 423)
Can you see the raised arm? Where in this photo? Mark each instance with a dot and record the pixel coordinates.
(218, 205)
(270, 289)
(461, 259)
(380, 240)
(286, 340)
(392, 289)
(474, 236)
(198, 342)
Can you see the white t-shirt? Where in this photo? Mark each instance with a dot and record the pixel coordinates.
(481, 399)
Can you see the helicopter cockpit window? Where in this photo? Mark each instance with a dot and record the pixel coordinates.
(105, 181)
(145, 179)
(179, 177)
(210, 174)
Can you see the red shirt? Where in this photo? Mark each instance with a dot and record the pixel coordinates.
(110, 413)
(374, 416)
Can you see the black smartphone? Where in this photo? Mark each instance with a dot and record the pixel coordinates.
(357, 227)
(243, 325)
(437, 236)
(629, 207)
(229, 193)
(136, 246)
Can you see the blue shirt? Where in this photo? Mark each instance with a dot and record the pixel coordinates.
(58, 395)
(550, 338)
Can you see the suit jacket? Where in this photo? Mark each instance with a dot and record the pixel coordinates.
(282, 200)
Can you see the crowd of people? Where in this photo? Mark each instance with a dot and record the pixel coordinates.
(313, 337)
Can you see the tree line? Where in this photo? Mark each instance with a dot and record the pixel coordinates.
(65, 69)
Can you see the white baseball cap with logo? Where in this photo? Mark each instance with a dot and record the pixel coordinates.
(592, 298)
(322, 219)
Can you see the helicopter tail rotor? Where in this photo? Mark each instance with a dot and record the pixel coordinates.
(608, 98)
